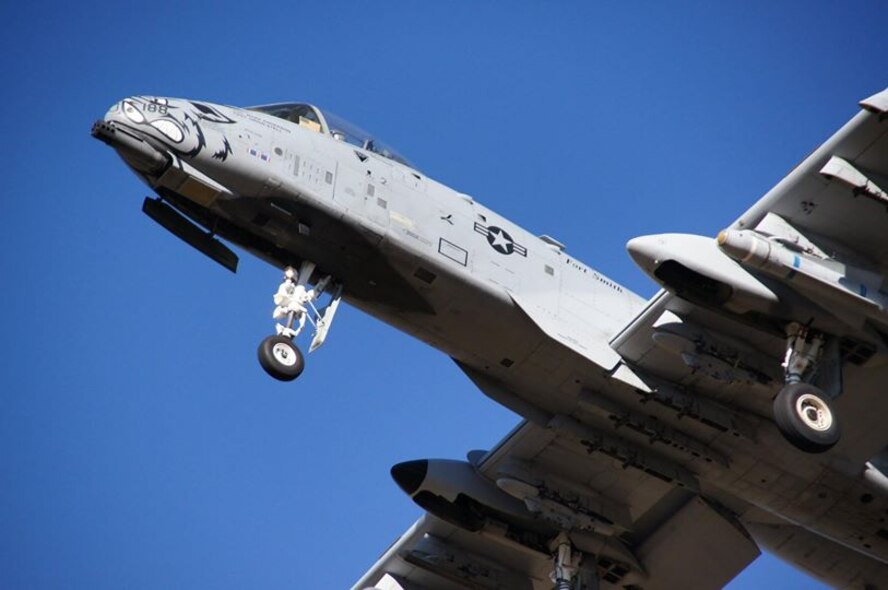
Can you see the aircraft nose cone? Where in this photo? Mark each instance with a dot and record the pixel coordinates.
(410, 475)
(113, 109)
(644, 251)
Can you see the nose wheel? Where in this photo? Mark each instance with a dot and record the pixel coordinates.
(295, 306)
(281, 358)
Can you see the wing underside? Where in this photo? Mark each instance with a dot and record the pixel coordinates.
(639, 529)
(673, 474)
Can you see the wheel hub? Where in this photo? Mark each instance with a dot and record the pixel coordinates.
(283, 354)
(814, 412)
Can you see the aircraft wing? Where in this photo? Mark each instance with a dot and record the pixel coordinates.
(840, 191)
(691, 393)
(833, 204)
(646, 530)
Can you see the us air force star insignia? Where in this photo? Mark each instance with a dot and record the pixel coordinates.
(500, 240)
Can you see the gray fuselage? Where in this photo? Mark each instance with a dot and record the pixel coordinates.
(529, 323)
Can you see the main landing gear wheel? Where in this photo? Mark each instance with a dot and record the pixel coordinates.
(806, 418)
(281, 358)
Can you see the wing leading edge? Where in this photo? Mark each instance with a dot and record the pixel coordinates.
(838, 193)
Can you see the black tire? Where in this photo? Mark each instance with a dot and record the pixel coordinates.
(281, 358)
(800, 430)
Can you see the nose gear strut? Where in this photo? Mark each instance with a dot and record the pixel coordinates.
(294, 305)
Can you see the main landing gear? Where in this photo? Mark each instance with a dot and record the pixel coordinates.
(803, 412)
(566, 561)
(294, 304)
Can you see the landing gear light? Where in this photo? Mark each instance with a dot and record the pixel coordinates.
(294, 305)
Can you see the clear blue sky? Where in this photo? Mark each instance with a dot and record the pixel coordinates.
(142, 445)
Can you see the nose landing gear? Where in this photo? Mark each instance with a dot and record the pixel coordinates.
(802, 411)
(294, 304)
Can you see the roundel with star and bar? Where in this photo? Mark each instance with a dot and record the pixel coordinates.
(500, 240)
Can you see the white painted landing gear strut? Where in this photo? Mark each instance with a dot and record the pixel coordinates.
(566, 562)
(294, 305)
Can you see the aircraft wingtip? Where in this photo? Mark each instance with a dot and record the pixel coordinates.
(877, 103)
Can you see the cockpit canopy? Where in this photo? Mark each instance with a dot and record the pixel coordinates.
(311, 117)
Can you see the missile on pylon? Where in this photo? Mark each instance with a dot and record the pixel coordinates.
(820, 279)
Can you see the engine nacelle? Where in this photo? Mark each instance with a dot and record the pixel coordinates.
(694, 268)
(453, 491)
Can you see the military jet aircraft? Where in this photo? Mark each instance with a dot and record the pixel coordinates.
(665, 442)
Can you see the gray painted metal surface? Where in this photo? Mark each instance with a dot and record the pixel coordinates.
(649, 439)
